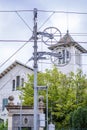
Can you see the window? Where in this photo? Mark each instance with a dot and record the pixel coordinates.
(13, 85)
(67, 54)
(4, 103)
(17, 81)
(22, 82)
(60, 54)
(78, 58)
(63, 52)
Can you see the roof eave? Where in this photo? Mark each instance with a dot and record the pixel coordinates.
(11, 67)
(68, 45)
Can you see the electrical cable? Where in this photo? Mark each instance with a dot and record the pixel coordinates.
(8, 40)
(22, 47)
(48, 11)
(69, 12)
(16, 11)
(40, 27)
(23, 21)
(11, 77)
(46, 20)
(12, 11)
(25, 64)
(15, 52)
(21, 69)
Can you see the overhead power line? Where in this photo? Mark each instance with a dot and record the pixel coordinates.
(8, 40)
(48, 11)
(12, 11)
(69, 12)
(15, 52)
(46, 20)
(24, 21)
(21, 41)
(1, 87)
(26, 64)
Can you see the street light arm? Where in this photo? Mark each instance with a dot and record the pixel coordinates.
(49, 53)
(40, 55)
(45, 34)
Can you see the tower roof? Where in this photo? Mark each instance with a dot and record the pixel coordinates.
(67, 40)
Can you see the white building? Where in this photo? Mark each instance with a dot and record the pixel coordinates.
(10, 80)
(70, 54)
(16, 74)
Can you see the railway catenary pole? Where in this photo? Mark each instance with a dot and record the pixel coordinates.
(35, 71)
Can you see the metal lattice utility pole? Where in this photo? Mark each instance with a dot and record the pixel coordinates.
(38, 55)
(35, 71)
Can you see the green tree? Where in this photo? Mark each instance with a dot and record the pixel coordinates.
(65, 93)
(79, 118)
(3, 126)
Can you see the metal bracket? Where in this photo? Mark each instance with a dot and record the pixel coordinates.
(40, 55)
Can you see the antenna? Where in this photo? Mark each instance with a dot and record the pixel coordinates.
(67, 17)
(67, 20)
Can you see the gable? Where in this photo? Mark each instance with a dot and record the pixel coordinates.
(12, 66)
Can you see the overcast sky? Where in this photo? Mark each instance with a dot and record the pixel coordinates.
(12, 26)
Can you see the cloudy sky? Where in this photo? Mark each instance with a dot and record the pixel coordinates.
(19, 25)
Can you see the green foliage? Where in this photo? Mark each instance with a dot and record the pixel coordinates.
(65, 93)
(28, 91)
(79, 118)
(3, 126)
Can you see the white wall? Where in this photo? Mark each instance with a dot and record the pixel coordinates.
(71, 66)
(6, 84)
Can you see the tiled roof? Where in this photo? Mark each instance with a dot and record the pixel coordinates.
(67, 40)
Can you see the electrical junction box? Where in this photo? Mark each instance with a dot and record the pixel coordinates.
(41, 120)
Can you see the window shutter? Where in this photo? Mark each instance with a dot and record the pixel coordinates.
(5, 102)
